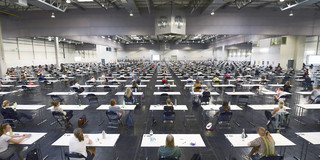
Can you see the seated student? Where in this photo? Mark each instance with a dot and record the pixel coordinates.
(138, 80)
(122, 77)
(163, 80)
(314, 94)
(269, 114)
(6, 150)
(128, 97)
(23, 80)
(226, 77)
(168, 109)
(287, 87)
(206, 95)
(11, 113)
(134, 85)
(56, 108)
(197, 86)
(77, 87)
(92, 79)
(64, 76)
(166, 84)
(41, 78)
(263, 80)
(279, 94)
(307, 81)
(189, 80)
(115, 109)
(216, 80)
(78, 143)
(263, 145)
(7, 77)
(224, 108)
(169, 150)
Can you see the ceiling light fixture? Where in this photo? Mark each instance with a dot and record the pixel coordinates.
(291, 13)
(103, 37)
(131, 14)
(281, 0)
(68, 1)
(212, 12)
(52, 15)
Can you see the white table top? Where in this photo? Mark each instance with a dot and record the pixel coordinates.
(185, 80)
(200, 93)
(181, 140)
(71, 107)
(239, 93)
(125, 108)
(311, 137)
(236, 140)
(144, 80)
(276, 85)
(61, 93)
(35, 136)
(163, 85)
(309, 106)
(223, 85)
(304, 93)
(28, 107)
(134, 93)
(30, 86)
(95, 93)
(189, 85)
(169, 93)
(161, 107)
(216, 107)
(96, 138)
(6, 86)
(265, 107)
(139, 86)
(83, 86)
(111, 86)
(3, 93)
(169, 80)
(267, 92)
(251, 85)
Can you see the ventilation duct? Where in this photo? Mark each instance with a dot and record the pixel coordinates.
(170, 22)
(20, 2)
(52, 6)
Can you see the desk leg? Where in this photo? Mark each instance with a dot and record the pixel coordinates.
(62, 152)
(305, 155)
(301, 153)
(101, 121)
(185, 124)
(230, 155)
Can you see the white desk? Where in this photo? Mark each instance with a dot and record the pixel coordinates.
(189, 85)
(111, 86)
(83, 86)
(139, 86)
(125, 108)
(239, 93)
(181, 140)
(306, 107)
(134, 93)
(169, 80)
(169, 93)
(251, 85)
(164, 86)
(61, 93)
(71, 107)
(277, 85)
(267, 92)
(97, 140)
(216, 107)
(161, 107)
(237, 142)
(35, 136)
(310, 137)
(266, 107)
(304, 93)
(185, 80)
(28, 107)
(200, 93)
(29, 86)
(95, 93)
(4, 93)
(223, 85)
(6, 86)
(144, 80)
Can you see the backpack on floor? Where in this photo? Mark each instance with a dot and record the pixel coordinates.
(82, 120)
(33, 155)
(130, 121)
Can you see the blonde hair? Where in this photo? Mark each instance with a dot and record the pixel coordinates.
(288, 83)
(128, 92)
(78, 133)
(169, 141)
(5, 103)
(281, 104)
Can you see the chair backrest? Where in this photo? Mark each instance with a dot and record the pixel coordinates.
(271, 158)
(282, 118)
(73, 155)
(58, 116)
(56, 98)
(316, 100)
(225, 116)
(168, 158)
(92, 97)
(112, 115)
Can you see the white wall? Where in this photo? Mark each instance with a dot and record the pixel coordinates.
(220, 54)
(102, 53)
(311, 47)
(27, 52)
(238, 55)
(265, 52)
(199, 54)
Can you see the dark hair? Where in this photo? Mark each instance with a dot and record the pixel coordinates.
(225, 106)
(2, 127)
(78, 134)
(54, 103)
(281, 89)
(113, 102)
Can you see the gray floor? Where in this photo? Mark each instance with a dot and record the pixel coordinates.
(128, 145)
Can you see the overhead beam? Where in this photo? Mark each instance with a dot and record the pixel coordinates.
(214, 5)
(264, 4)
(78, 5)
(101, 5)
(299, 4)
(113, 3)
(131, 6)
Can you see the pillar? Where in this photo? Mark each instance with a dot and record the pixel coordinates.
(293, 49)
(56, 48)
(3, 66)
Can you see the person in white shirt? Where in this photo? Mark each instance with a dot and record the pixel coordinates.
(7, 150)
(93, 79)
(78, 144)
(56, 108)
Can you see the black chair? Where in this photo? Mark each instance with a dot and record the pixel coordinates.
(57, 98)
(93, 99)
(271, 158)
(163, 98)
(316, 100)
(114, 119)
(61, 119)
(205, 97)
(224, 118)
(73, 155)
(166, 89)
(26, 89)
(168, 158)
(243, 100)
(107, 89)
(168, 115)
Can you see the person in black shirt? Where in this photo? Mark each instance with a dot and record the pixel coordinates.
(168, 110)
(287, 87)
(206, 95)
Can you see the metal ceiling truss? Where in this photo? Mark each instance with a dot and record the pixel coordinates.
(296, 3)
(194, 4)
(242, 3)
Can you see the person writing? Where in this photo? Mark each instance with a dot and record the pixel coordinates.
(11, 113)
(197, 86)
(314, 94)
(56, 108)
(115, 109)
(169, 150)
(128, 97)
(78, 144)
(279, 95)
(6, 150)
(263, 145)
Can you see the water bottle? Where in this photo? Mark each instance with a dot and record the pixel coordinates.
(10, 132)
(103, 134)
(151, 133)
(79, 103)
(15, 105)
(175, 102)
(123, 103)
(243, 135)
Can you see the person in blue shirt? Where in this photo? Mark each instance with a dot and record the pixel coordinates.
(41, 78)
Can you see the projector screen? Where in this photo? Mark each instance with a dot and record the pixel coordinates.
(313, 59)
(77, 59)
(156, 57)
